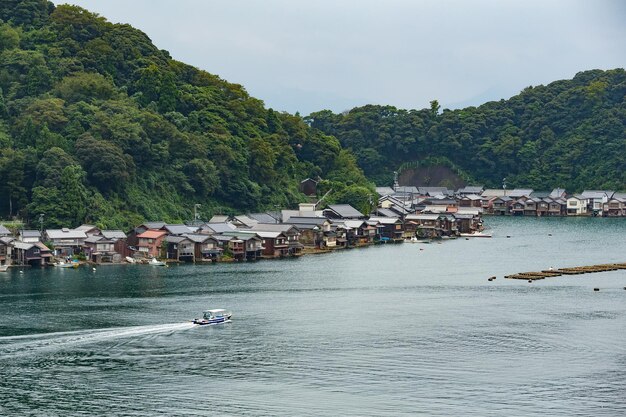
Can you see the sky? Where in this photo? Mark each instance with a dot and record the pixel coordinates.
(306, 56)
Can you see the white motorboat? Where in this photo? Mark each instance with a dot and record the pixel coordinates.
(130, 260)
(156, 262)
(476, 234)
(216, 316)
(62, 264)
(4, 268)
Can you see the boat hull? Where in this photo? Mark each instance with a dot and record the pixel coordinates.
(218, 320)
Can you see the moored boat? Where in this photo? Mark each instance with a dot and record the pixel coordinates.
(130, 260)
(215, 316)
(62, 264)
(156, 262)
(4, 268)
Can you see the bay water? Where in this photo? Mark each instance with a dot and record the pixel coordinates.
(391, 330)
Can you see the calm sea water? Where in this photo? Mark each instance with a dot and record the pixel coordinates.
(410, 329)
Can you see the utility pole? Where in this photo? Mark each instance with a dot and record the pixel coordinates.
(195, 213)
(41, 224)
(504, 185)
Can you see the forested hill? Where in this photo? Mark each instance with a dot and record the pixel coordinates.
(98, 125)
(569, 133)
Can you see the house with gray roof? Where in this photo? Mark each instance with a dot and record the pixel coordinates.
(113, 234)
(177, 229)
(67, 242)
(29, 236)
(471, 189)
(4, 231)
(520, 192)
(382, 191)
(219, 218)
(435, 191)
(267, 217)
(342, 211)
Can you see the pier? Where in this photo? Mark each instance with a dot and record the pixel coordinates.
(578, 270)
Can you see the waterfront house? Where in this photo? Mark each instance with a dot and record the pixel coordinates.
(33, 254)
(150, 242)
(29, 236)
(275, 244)
(490, 193)
(5, 250)
(389, 227)
(99, 249)
(231, 246)
(577, 206)
(470, 200)
(596, 199)
(530, 209)
(66, 242)
(357, 232)
(557, 207)
(329, 240)
(291, 232)
(543, 206)
(251, 247)
(132, 238)
(311, 229)
(518, 193)
(467, 223)
(206, 247)
(426, 225)
(502, 205)
(615, 206)
(181, 248)
(120, 242)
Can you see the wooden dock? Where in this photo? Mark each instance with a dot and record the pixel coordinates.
(532, 276)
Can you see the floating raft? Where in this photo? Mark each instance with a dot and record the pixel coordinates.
(531, 276)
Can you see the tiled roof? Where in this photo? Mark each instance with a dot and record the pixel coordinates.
(152, 234)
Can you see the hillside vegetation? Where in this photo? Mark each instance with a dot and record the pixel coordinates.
(99, 125)
(570, 133)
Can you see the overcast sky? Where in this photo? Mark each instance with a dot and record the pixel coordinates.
(337, 54)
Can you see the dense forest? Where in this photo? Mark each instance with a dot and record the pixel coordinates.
(98, 125)
(570, 133)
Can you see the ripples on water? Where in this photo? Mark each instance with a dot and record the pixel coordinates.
(381, 331)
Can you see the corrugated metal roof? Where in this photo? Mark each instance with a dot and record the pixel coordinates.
(65, 234)
(346, 211)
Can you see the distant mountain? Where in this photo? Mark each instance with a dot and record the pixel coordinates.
(99, 125)
(570, 133)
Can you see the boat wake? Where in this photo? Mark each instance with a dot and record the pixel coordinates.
(13, 346)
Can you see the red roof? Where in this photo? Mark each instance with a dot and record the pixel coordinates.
(152, 234)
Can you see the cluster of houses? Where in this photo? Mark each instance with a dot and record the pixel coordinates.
(516, 202)
(245, 237)
(402, 213)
